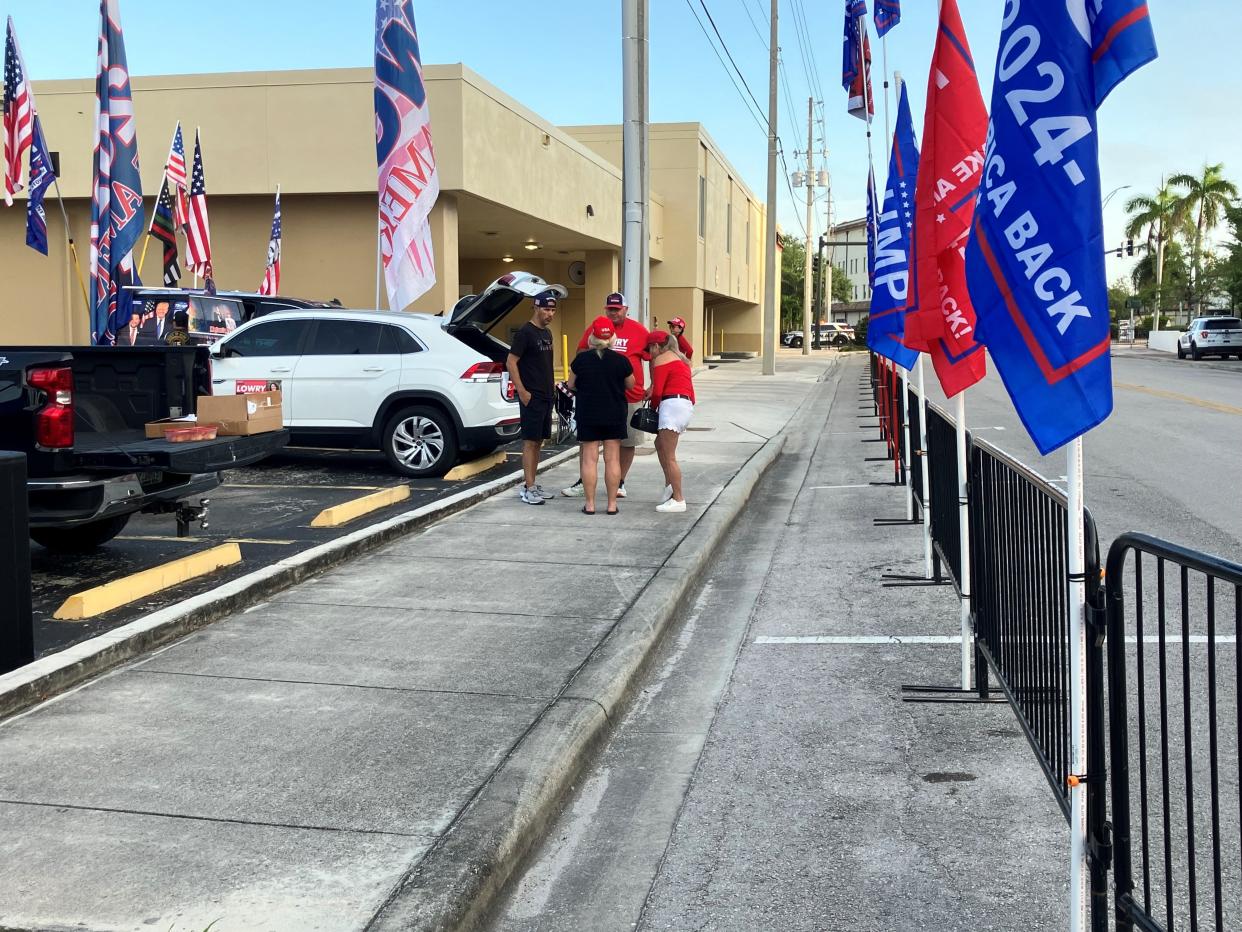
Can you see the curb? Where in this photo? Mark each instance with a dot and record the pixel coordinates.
(455, 884)
(46, 677)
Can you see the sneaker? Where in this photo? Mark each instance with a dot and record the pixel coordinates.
(668, 493)
(531, 496)
(672, 506)
(621, 491)
(543, 493)
(574, 491)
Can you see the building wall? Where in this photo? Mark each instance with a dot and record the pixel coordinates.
(849, 257)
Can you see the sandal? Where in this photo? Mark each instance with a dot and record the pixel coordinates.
(585, 512)
(612, 511)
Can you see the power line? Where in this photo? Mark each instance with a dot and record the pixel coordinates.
(754, 26)
(724, 45)
(759, 118)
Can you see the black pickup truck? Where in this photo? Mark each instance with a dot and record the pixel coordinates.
(77, 412)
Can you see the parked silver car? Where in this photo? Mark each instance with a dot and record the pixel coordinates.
(1211, 336)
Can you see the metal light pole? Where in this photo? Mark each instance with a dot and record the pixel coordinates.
(807, 313)
(634, 176)
(769, 265)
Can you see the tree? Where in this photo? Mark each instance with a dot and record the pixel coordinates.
(1230, 267)
(1157, 218)
(1118, 293)
(842, 290)
(1206, 197)
(793, 277)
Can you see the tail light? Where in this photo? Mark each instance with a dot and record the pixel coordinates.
(54, 421)
(491, 372)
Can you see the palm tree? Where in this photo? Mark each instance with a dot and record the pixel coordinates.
(1158, 217)
(1207, 196)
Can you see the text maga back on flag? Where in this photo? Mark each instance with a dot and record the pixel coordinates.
(1036, 259)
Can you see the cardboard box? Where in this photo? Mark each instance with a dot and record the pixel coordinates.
(242, 415)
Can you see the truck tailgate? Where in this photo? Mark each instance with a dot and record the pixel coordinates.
(124, 451)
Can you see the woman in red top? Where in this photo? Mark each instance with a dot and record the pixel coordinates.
(677, 327)
(672, 394)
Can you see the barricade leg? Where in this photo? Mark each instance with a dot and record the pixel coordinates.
(16, 632)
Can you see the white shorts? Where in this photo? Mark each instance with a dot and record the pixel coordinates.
(675, 414)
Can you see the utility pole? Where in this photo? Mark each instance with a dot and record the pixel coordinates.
(773, 273)
(807, 312)
(634, 172)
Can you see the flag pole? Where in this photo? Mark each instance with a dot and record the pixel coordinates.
(884, 56)
(143, 259)
(924, 466)
(379, 264)
(963, 515)
(73, 251)
(1077, 630)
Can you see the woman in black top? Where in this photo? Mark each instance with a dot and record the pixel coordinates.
(600, 377)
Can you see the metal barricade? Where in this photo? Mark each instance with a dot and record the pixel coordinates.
(16, 634)
(943, 479)
(915, 472)
(1019, 552)
(1173, 734)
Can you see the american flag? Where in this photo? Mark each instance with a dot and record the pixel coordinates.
(174, 171)
(18, 114)
(197, 230)
(856, 62)
(271, 277)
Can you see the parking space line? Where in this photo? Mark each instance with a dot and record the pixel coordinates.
(198, 540)
(355, 508)
(130, 588)
(473, 468)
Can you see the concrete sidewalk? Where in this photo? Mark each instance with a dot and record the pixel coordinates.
(374, 747)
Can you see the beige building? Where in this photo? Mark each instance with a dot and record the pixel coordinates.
(847, 245)
(516, 193)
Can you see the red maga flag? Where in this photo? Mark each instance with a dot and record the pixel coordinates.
(941, 322)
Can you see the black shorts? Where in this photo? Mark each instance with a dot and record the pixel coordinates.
(536, 418)
(594, 432)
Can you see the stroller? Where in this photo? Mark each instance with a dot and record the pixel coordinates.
(563, 403)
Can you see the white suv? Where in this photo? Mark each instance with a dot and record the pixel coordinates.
(421, 388)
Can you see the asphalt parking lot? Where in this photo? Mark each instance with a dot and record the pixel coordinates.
(267, 509)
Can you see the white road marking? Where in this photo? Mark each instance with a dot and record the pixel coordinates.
(859, 639)
(815, 487)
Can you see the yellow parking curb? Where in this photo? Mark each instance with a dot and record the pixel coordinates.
(357, 507)
(120, 592)
(467, 470)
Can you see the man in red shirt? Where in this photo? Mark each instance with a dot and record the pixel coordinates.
(630, 340)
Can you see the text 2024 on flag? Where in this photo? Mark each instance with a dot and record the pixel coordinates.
(409, 182)
(954, 130)
(116, 203)
(1036, 258)
(891, 288)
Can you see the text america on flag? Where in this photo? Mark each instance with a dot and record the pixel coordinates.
(1036, 257)
(409, 181)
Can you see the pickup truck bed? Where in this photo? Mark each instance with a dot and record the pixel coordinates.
(83, 488)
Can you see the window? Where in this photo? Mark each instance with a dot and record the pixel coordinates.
(702, 207)
(1223, 323)
(398, 340)
(855, 292)
(277, 338)
(348, 338)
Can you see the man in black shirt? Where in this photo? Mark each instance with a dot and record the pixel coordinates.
(530, 368)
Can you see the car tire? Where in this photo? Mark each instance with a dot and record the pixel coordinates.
(796, 343)
(81, 538)
(1194, 352)
(420, 442)
(1181, 353)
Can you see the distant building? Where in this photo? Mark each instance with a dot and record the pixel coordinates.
(847, 250)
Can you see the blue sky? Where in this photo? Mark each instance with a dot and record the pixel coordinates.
(562, 58)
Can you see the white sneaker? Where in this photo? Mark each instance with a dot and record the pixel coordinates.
(621, 491)
(574, 491)
(672, 506)
(668, 493)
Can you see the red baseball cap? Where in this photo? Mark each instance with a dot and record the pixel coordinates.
(657, 336)
(677, 322)
(601, 329)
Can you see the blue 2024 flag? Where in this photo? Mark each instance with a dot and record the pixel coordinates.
(891, 269)
(1035, 262)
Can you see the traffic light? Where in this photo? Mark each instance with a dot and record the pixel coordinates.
(1129, 247)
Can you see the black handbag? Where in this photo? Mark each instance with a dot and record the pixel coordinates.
(646, 419)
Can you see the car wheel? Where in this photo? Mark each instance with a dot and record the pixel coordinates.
(79, 539)
(1194, 352)
(796, 342)
(420, 441)
(1181, 353)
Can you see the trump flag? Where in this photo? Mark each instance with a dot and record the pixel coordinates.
(1036, 258)
(942, 323)
(856, 62)
(408, 180)
(891, 287)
